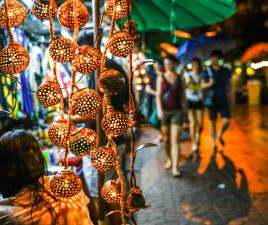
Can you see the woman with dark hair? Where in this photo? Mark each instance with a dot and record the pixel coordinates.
(193, 95)
(25, 187)
(169, 100)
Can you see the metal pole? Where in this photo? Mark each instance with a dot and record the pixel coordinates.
(97, 42)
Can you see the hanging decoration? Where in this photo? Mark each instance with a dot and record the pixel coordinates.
(111, 192)
(117, 11)
(40, 9)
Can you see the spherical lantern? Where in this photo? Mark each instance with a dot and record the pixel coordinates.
(65, 184)
(49, 93)
(86, 102)
(111, 82)
(114, 123)
(66, 14)
(40, 9)
(87, 60)
(82, 141)
(58, 132)
(62, 49)
(110, 192)
(103, 158)
(17, 13)
(14, 58)
(120, 44)
(121, 9)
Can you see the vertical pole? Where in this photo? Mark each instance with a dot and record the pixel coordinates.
(97, 40)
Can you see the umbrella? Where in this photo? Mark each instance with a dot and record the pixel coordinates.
(202, 46)
(169, 15)
(256, 51)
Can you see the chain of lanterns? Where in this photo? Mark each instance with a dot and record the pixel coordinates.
(86, 102)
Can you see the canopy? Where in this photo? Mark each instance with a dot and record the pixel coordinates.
(167, 15)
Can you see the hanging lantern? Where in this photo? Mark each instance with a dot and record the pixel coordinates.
(135, 200)
(62, 49)
(40, 9)
(120, 44)
(17, 13)
(65, 184)
(66, 14)
(14, 58)
(111, 82)
(86, 102)
(110, 192)
(87, 60)
(103, 158)
(58, 132)
(49, 93)
(82, 141)
(114, 123)
(121, 9)
(137, 119)
(133, 31)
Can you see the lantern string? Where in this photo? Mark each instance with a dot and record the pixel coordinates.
(51, 23)
(8, 22)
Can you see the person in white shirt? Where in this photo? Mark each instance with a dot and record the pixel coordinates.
(193, 95)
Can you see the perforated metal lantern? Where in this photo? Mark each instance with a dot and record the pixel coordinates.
(66, 15)
(110, 192)
(133, 31)
(120, 44)
(87, 60)
(121, 8)
(17, 13)
(58, 132)
(83, 141)
(14, 58)
(114, 123)
(40, 9)
(103, 158)
(65, 184)
(111, 82)
(62, 50)
(49, 93)
(86, 102)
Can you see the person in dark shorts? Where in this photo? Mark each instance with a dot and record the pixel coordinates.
(193, 93)
(217, 78)
(169, 100)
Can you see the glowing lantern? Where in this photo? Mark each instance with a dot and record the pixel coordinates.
(110, 192)
(82, 141)
(121, 9)
(86, 102)
(40, 9)
(49, 93)
(65, 184)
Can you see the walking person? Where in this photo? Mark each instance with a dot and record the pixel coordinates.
(216, 85)
(193, 94)
(169, 100)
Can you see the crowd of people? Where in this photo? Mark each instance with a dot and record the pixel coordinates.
(183, 96)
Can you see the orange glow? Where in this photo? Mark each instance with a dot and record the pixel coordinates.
(211, 33)
(182, 34)
(171, 49)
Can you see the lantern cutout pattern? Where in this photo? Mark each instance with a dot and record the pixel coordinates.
(66, 15)
(82, 141)
(58, 132)
(40, 9)
(49, 93)
(114, 123)
(65, 184)
(17, 13)
(110, 192)
(120, 44)
(62, 49)
(14, 58)
(86, 102)
(111, 82)
(121, 9)
(87, 60)
(103, 158)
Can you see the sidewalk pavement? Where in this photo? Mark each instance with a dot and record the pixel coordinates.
(229, 187)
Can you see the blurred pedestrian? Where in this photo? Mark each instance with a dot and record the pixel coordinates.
(169, 100)
(216, 85)
(193, 94)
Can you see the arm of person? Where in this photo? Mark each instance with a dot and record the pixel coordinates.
(206, 81)
(159, 105)
(149, 90)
